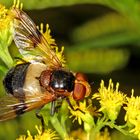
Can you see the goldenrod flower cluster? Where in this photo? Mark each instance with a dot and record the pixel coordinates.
(5, 35)
(51, 42)
(110, 100)
(47, 135)
(132, 116)
(5, 20)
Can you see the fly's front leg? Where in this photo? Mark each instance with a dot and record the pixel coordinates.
(69, 103)
(52, 108)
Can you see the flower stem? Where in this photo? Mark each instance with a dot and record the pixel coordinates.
(120, 128)
(58, 127)
(6, 57)
(101, 122)
(88, 136)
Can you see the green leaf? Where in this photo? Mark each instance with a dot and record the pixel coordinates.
(97, 60)
(111, 24)
(57, 120)
(37, 4)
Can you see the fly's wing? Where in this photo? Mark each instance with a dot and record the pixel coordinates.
(10, 106)
(30, 41)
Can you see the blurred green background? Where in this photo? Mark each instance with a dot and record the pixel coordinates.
(101, 39)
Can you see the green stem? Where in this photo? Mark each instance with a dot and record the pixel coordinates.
(3, 69)
(6, 57)
(120, 128)
(58, 127)
(101, 122)
(104, 122)
(63, 125)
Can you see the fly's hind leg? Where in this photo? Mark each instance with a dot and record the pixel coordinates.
(39, 116)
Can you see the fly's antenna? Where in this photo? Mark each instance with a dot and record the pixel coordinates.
(91, 84)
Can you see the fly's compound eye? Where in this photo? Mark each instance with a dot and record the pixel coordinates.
(81, 88)
(79, 92)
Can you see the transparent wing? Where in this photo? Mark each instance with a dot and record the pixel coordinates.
(11, 106)
(28, 38)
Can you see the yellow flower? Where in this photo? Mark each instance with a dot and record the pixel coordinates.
(47, 135)
(51, 42)
(23, 137)
(47, 35)
(132, 116)
(3, 11)
(103, 135)
(80, 112)
(110, 100)
(4, 19)
(6, 16)
(136, 129)
(6, 34)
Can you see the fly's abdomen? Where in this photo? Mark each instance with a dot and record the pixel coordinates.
(22, 80)
(15, 78)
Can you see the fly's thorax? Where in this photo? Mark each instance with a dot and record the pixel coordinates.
(61, 80)
(44, 78)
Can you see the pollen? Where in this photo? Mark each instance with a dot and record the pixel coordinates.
(110, 100)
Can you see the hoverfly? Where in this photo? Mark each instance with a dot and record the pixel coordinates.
(31, 85)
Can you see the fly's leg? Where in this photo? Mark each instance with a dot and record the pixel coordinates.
(21, 59)
(39, 116)
(52, 108)
(55, 105)
(69, 103)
